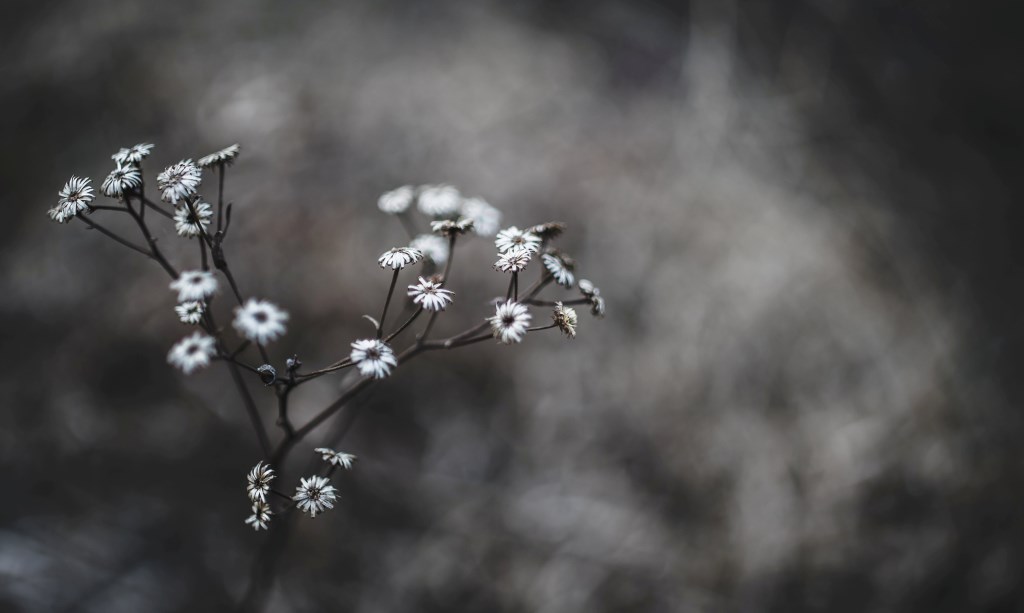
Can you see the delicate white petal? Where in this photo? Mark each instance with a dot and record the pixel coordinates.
(336, 458)
(397, 200)
(486, 218)
(192, 221)
(121, 180)
(259, 479)
(514, 237)
(132, 155)
(314, 495)
(433, 247)
(179, 181)
(225, 156)
(399, 257)
(191, 311)
(513, 260)
(430, 295)
(439, 200)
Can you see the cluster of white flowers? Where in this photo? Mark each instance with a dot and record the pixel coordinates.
(442, 201)
(449, 216)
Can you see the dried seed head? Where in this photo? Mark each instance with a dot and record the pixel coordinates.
(267, 373)
(565, 318)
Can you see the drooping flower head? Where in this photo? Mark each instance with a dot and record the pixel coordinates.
(260, 516)
(191, 311)
(439, 200)
(179, 181)
(224, 157)
(373, 357)
(510, 322)
(336, 458)
(132, 155)
(452, 227)
(512, 237)
(194, 285)
(486, 218)
(399, 257)
(432, 246)
(259, 482)
(314, 495)
(192, 352)
(192, 220)
(593, 296)
(74, 198)
(560, 267)
(549, 230)
(565, 318)
(260, 321)
(397, 200)
(513, 260)
(430, 295)
(120, 180)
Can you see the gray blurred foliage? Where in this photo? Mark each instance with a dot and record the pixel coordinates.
(801, 215)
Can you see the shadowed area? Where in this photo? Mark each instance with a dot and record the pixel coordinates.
(801, 214)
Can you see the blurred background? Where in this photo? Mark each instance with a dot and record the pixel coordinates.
(802, 214)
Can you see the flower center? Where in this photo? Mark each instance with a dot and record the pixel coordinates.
(261, 317)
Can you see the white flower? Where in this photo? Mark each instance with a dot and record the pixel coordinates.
(260, 516)
(74, 198)
(397, 200)
(399, 257)
(593, 296)
(194, 285)
(179, 181)
(336, 457)
(133, 154)
(439, 200)
(565, 318)
(514, 237)
(225, 157)
(434, 247)
(510, 322)
(259, 321)
(560, 268)
(452, 227)
(486, 218)
(513, 260)
(192, 221)
(373, 357)
(314, 495)
(192, 352)
(259, 482)
(430, 295)
(190, 312)
(120, 180)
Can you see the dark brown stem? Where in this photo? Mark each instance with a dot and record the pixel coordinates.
(387, 301)
(95, 226)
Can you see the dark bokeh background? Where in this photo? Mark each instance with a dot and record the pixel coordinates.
(803, 215)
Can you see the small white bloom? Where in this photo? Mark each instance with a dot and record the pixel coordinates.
(192, 352)
(513, 260)
(560, 268)
(399, 257)
(179, 181)
(260, 516)
(430, 295)
(74, 198)
(397, 200)
(121, 180)
(565, 318)
(510, 321)
(439, 200)
(593, 296)
(133, 154)
(194, 285)
(260, 321)
(191, 311)
(486, 218)
(336, 458)
(192, 221)
(373, 357)
(452, 227)
(225, 157)
(314, 495)
(259, 482)
(514, 237)
(434, 247)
